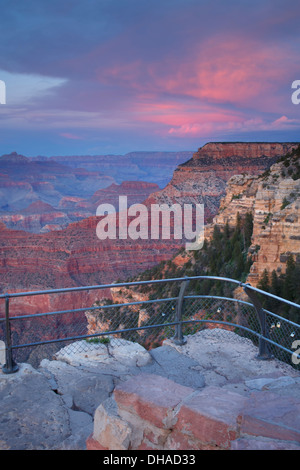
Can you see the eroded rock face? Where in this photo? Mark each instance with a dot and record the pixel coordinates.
(274, 201)
(203, 179)
(75, 256)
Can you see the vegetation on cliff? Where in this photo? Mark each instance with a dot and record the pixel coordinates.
(291, 164)
(284, 285)
(229, 251)
(226, 254)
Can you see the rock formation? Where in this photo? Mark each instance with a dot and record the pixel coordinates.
(75, 256)
(71, 402)
(273, 198)
(153, 167)
(41, 217)
(202, 179)
(23, 181)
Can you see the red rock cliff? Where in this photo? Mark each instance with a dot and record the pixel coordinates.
(203, 178)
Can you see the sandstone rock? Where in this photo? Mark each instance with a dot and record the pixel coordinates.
(172, 364)
(269, 415)
(203, 178)
(210, 416)
(110, 430)
(263, 444)
(155, 401)
(273, 200)
(81, 389)
(226, 359)
(151, 412)
(270, 383)
(29, 409)
(53, 407)
(123, 352)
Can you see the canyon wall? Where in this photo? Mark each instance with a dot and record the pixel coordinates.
(203, 178)
(41, 217)
(273, 199)
(74, 256)
(148, 166)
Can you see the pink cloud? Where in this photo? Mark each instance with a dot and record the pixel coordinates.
(284, 121)
(229, 70)
(226, 85)
(68, 135)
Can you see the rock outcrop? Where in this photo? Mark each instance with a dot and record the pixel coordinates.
(211, 392)
(203, 178)
(150, 412)
(273, 199)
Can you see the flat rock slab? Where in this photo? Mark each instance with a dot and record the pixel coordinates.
(270, 415)
(81, 389)
(224, 357)
(170, 363)
(263, 444)
(31, 414)
(153, 412)
(210, 416)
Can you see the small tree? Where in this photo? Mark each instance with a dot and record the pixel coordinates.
(263, 283)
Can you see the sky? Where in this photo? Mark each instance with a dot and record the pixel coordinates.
(91, 77)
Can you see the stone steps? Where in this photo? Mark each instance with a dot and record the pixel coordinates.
(154, 413)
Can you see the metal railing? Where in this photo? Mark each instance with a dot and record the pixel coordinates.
(179, 311)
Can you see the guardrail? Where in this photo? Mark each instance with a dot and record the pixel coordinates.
(174, 316)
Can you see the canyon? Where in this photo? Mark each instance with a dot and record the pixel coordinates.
(41, 217)
(203, 178)
(273, 199)
(74, 256)
(71, 185)
(146, 166)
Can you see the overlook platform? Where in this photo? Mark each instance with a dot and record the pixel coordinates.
(250, 403)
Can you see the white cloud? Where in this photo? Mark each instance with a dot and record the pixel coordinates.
(23, 88)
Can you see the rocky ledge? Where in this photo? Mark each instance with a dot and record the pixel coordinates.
(210, 393)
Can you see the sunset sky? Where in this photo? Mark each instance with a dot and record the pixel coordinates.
(114, 76)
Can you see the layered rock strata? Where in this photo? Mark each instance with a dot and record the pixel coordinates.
(202, 179)
(274, 201)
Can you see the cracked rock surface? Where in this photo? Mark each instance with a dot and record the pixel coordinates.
(53, 407)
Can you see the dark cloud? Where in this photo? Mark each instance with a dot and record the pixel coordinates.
(163, 68)
(48, 37)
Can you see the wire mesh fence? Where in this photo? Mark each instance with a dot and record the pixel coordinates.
(220, 312)
(285, 333)
(149, 312)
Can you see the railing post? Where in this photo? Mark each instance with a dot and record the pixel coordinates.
(264, 353)
(10, 366)
(178, 337)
